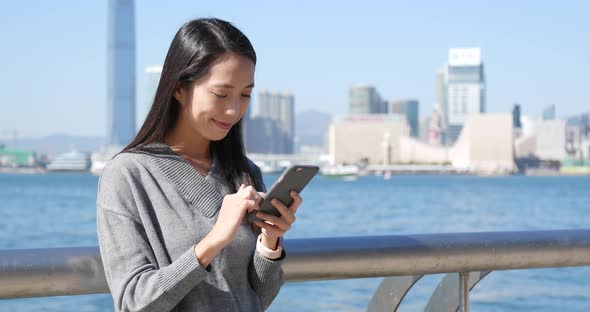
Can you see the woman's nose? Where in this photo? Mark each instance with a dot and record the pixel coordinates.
(233, 108)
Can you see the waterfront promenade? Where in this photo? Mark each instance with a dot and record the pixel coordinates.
(57, 210)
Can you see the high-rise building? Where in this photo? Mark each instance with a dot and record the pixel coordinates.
(465, 89)
(121, 72)
(516, 116)
(152, 79)
(424, 129)
(434, 134)
(549, 112)
(578, 136)
(441, 104)
(384, 107)
(287, 122)
(408, 108)
(246, 126)
(262, 135)
(272, 130)
(364, 99)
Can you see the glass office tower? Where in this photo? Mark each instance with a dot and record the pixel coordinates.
(465, 89)
(410, 109)
(121, 73)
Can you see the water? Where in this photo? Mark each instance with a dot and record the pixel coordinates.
(58, 210)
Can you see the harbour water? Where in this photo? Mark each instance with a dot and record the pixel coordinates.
(58, 210)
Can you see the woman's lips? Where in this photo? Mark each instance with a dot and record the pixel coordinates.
(222, 125)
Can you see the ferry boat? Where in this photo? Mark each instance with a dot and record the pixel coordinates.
(101, 158)
(341, 171)
(72, 161)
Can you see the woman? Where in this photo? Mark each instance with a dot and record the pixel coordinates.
(171, 206)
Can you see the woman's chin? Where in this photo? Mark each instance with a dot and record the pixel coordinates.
(218, 136)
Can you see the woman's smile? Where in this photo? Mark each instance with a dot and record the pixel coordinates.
(223, 125)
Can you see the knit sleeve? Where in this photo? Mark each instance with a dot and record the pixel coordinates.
(134, 278)
(135, 281)
(266, 278)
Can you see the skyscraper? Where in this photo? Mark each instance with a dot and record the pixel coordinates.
(516, 116)
(408, 108)
(287, 122)
(434, 136)
(272, 131)
(465, 92)
(121, 72)
(364, 99)
(549, 112)
(442, 104)
(152, 79)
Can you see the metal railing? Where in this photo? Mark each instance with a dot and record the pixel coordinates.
(406, 258)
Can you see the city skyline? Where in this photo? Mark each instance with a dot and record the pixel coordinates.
(317, 60)
(272, 128)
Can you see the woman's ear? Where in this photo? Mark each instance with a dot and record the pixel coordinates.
(179, 94)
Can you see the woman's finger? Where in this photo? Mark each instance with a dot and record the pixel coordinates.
(249, 192)
(297, 200)
(271, 230)
(255, 195)
(279, 222)
(285, 212)
(249, 204)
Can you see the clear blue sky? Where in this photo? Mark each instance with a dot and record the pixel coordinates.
(53, 53)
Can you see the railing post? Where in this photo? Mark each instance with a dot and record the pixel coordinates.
(391, 292)
(464, 291)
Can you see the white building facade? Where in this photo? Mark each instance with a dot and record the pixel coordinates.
(370, 138)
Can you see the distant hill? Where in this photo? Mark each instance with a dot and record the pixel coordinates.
(311, 127)
(56, 144)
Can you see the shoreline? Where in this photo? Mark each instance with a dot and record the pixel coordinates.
(30, 171)
(528, 173)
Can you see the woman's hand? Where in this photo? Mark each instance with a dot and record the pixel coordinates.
(275, 227)
(231, 214)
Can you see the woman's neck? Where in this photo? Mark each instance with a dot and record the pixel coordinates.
(185, 142)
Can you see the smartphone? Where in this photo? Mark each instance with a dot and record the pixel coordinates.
(294, 178)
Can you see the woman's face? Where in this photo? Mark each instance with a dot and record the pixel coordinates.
(217, 101)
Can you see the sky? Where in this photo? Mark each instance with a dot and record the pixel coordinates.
(53, 53)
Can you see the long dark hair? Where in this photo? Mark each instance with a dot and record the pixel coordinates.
(194, 47)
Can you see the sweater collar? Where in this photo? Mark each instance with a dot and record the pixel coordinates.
(194, 187)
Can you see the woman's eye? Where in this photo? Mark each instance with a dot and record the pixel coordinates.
(246, 95)
(219, 95)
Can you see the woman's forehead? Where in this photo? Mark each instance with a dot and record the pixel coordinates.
(231, 71)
